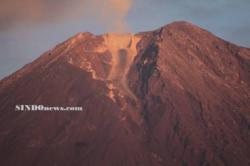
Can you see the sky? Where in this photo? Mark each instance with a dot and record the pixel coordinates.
(30, 27)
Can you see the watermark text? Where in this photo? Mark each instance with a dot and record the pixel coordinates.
(46, 108)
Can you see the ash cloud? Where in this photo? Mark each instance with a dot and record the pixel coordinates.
(108, 13)
(14, 12)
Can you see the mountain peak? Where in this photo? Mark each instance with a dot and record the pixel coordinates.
(176, 25)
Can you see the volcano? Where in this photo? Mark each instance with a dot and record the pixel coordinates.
(175, 96)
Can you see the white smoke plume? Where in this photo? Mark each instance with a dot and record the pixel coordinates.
(111, 14)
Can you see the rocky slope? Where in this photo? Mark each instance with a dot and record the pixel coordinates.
(174, 96)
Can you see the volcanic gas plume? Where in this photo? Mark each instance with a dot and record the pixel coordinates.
(110, 13)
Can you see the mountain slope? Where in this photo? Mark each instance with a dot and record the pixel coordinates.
(195, 93)
(174, 96)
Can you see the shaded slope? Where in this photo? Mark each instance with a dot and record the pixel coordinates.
(195, 93)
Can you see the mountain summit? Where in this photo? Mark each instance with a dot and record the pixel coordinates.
(174, 96)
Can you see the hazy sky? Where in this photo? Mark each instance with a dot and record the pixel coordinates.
(30, 27)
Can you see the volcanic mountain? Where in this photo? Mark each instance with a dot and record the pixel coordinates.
(175, 96)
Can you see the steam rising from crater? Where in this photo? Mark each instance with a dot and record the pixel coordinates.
(110, 13)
